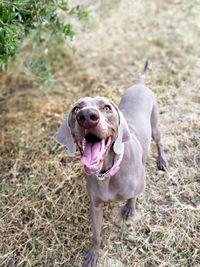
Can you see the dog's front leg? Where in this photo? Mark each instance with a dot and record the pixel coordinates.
(97, 218)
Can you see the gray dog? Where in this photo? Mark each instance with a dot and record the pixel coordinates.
(114, 144)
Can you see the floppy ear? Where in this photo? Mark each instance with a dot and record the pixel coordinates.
(64, 137)
(123, 133)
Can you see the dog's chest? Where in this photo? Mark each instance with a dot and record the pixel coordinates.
(107, 191)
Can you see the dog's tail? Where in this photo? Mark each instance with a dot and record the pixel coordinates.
(143, 75)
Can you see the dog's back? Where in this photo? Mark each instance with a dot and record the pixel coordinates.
(136, 105)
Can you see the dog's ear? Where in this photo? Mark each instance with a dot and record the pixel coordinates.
(123, 133)
(64, 137)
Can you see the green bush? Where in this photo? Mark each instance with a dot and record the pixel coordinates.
(20, 18)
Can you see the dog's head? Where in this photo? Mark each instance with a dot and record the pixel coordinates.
(94, 125)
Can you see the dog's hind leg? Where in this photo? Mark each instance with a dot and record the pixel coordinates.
(161, 162)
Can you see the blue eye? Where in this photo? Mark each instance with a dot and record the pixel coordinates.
(76, 109)
(107, 108)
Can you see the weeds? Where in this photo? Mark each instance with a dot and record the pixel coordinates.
(44, 204)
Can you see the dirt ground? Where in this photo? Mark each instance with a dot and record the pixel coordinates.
(44, 207)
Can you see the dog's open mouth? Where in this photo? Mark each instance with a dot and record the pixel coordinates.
(93, 150)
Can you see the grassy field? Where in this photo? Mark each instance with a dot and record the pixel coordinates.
(44, 207)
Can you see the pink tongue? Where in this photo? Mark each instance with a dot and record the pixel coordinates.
(91, 153)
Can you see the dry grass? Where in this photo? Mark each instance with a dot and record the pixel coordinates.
(44, 206)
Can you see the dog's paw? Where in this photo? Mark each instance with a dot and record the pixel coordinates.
(90, 259)
(127, 212)
(162, 164)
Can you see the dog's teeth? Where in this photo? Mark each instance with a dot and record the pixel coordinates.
(93, 165)
(83, 144)
(102, 144)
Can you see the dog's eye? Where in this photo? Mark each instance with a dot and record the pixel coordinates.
(107, 108)
(76, 109)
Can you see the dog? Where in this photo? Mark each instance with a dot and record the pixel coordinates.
(114, 143)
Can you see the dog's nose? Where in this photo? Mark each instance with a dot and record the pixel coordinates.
(88, 118)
